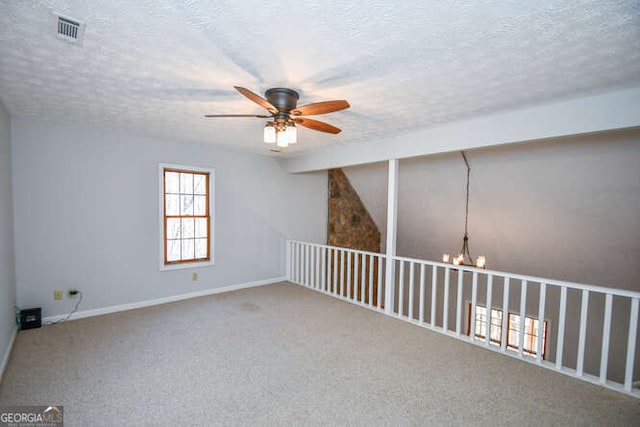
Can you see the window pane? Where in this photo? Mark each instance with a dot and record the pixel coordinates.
(496, 325)
(171, 180)
(200, 205)
(201, 248)
(514, 330)
(173, 250)
(199, 184)
(188, 246)
(187, 228)
(186, 183)
(201, 227)
(173, 228)
(186, 205)
(481, 313)
(173, 205)
(531, 334)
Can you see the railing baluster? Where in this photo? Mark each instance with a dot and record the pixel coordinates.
(459, 304)
(342, 273)
(523, 314)
(445, 314)
(300, 265)
(311, 260)
(421, 313)
(303, 264)
(583, 332)
(543, 297)
(474, 302)
(411, 289)
(335, 272)
(288, 257)
(487, 336)
(371, 263)
(323, 262)
(561, 322)
(356, 272)
(348, 275)
(311, 271)
(401, 290)
(505, 314)
(380, 261)
(295, 263)
(307, 260)
(434, 294)
(310, 265)
(363, 278)
(330, 270)
(631, 344)
(316, 255)
(606, 332)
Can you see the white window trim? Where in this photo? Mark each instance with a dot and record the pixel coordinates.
(194, 264)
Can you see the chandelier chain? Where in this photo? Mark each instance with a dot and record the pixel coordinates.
(465, 240)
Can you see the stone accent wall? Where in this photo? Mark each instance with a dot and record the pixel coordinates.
(350, 225)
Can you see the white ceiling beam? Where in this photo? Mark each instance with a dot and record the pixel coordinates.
(596, 113)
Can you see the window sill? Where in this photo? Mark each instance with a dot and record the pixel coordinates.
(186, 265)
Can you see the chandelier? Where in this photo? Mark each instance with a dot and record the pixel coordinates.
(464, 256)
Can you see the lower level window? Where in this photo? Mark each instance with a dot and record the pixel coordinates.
(493, 324)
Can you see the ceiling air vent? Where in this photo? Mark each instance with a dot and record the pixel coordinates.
(69, 29)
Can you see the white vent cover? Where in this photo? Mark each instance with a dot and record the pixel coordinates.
(69, 29)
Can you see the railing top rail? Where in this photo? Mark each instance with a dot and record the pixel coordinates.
(552, 282)
(358, 251)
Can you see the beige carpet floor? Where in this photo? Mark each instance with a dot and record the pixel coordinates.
(285, 355)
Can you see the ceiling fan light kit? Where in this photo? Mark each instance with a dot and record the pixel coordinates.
(285, 114)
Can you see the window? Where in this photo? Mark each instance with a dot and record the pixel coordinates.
(186, 216)
(513, 325)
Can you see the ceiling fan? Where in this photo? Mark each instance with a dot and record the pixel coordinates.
(282, 106)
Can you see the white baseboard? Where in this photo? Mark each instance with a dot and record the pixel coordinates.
(7, 353)
(158, 301)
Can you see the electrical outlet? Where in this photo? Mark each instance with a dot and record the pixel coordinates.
(194, 276)
(72, 292)
(57, 295)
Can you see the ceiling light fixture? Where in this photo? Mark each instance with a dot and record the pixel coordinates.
(269, 133)
(282, 133)
(282, 104)
(481, 261)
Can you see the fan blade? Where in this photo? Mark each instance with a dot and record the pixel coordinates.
(317, 125)
(257, 99)
(320, 108)
(237, 115)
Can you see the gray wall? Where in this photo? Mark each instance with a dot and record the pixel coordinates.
(7, 276)
(86, 215)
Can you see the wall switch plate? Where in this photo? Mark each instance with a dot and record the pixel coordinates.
(57, 295)
(194, 276)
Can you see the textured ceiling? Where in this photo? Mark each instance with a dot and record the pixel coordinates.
(155, 67)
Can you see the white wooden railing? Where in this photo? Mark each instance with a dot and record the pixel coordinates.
(591, 331)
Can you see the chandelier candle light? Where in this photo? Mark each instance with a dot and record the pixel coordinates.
(481, 261)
